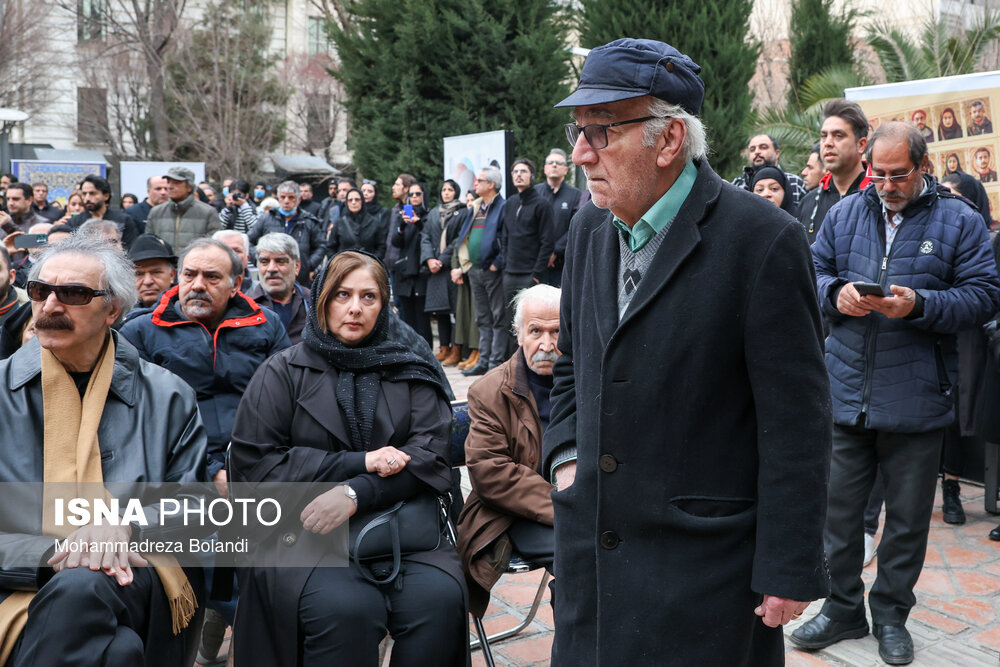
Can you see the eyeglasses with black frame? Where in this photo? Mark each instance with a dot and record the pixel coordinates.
(895, 180)
(68, 295)
(597, 133)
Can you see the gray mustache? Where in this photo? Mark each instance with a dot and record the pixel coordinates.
(545, 356)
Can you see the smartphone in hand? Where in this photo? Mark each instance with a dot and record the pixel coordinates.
(408, 210)
(869, 289)
(28, 241)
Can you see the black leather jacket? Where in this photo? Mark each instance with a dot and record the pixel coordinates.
(150, 432)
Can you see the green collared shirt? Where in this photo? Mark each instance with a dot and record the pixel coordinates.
(661, 213)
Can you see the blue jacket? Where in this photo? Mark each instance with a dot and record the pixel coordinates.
(489, 252)
(900, 372)
(219, 366)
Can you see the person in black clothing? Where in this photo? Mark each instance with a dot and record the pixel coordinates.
(771, 184)
(305, 229)
(948, 127)
(96, 198)
(526, 240)
(843, 139)
(356, 229)
(372, 205)
(436, 246)
(40, 203)
(306, 201)
(565, 201)
(156, 193)
(411, 280)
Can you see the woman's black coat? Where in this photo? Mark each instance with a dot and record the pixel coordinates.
(430, 247)
(411, 277)
(367, 234)
(289, 429)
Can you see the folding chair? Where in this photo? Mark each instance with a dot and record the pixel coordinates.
(460, 423)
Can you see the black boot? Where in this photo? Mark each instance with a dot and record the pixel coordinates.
(952, 505)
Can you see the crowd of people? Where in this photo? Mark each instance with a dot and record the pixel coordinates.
(694, 394)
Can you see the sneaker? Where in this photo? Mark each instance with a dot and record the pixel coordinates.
(870, 549)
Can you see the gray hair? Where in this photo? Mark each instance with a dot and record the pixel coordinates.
(289, 186)
(560, 152)
(279, 243)
(118, 279)
(492, 174)
(236, 268)
(695, 144)
(227, 233)
(545, 295)
(916, 145)
(95, 228)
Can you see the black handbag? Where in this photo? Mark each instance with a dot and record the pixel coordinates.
(407, 527)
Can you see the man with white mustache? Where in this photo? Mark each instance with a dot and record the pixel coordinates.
(511, 503)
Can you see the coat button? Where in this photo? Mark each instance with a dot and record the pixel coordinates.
(289, 539)
(608, 463)
(609, 539)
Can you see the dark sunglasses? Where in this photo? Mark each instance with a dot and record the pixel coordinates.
(69, 295)
(596, 133)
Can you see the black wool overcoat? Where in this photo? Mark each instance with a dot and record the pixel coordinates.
(703, 426)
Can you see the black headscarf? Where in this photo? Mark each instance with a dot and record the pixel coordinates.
(971, 189)
(767, 171)
(362, 367)
(953, 132)
(373, 208)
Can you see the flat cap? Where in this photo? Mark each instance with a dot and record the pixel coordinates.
(180, 174)
(628, 68)
(148, 246)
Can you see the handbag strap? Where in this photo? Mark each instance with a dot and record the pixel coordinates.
(392, 517)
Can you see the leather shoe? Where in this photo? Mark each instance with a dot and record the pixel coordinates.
(895, 646)
(995, 534)
(478, 369)
(822, 631)
(951, 507)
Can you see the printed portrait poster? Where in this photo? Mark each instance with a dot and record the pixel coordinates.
(955, 115)
(467, 154)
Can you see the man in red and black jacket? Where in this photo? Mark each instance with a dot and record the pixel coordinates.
(843, 139)
(213, 336)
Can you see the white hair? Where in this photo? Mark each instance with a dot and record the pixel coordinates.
(223, 234)
(695, 144)
(543, 295)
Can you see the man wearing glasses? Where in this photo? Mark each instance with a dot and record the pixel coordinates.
(565, 201)
(892, 363)
(690, 418)
(79, 404)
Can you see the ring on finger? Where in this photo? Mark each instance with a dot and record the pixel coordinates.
(392, 462)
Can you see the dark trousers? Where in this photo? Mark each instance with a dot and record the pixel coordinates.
(81, 617)
(343, 617)
(487, 300)
(411, 311)
(512, 284)
(553, 277)
(908, 463)
(874, 506)
(444, 329)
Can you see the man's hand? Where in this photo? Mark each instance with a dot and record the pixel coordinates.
(777, 611)
(434, 265)
(456, 276)
(849, 301)
(896, 306)
(220, 480)
(327, 511)
(493, 267)
(386, 461)
(565, 475)
(111, 558)
(552, 261)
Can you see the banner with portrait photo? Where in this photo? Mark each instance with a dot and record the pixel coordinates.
(955, 115)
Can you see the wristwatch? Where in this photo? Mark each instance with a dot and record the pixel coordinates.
(351, 493)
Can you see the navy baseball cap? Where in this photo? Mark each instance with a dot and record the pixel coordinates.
(627, 68)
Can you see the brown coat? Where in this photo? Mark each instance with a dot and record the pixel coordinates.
(503, 454)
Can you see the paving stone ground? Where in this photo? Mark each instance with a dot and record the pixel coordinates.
(955, 623)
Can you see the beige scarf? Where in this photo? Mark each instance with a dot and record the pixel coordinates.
(72, 454)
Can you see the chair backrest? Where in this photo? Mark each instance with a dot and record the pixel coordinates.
(460, 423)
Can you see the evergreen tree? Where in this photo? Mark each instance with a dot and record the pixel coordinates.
(714, 35)
(416, 71)
(818, 39)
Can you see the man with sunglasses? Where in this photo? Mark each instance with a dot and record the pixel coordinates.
(892, 360)
(79, 404)
(689, 424)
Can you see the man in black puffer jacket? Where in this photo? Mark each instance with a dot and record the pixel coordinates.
(305, 229)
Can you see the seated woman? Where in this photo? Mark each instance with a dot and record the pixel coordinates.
(348, 405)
(771, 184)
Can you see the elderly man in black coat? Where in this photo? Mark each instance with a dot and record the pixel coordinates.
(690, 426)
